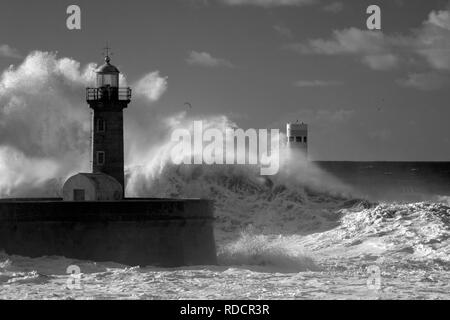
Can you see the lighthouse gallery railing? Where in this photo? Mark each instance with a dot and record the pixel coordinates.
(108, 93)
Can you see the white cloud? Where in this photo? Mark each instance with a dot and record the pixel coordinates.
(269, 3)
(430, 44)
(440, 19)
(346, 41)
(425, 81)
(433, 40)
(372, 47)
(381, 61)
(7, 51)
(205, 59)
(152, 86)
(316, 83)
(283, 31)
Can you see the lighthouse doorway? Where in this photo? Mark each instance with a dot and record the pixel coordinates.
(78, 195)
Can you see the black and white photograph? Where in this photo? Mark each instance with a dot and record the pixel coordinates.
(225, 150)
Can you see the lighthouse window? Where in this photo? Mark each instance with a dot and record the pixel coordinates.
(101, 125)
(100, 157)
(305, 140)
(298, 139)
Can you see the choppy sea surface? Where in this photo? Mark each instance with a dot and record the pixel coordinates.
(276, 239)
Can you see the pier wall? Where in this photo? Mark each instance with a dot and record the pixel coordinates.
(157, 232)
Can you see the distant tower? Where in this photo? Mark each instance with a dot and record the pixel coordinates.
(107, 101)
(297, 136)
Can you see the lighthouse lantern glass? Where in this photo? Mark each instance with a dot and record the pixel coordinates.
(106, 79)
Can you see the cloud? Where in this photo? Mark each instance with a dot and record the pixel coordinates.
(381, 61)
(152, 86)
(283, 31)
(429, 44)
(269, 3)
(425, 81)
(204, 59)
(347, 41)
(334, 7)
(440, 19)
(433, 40)
(372, 47)
(316, 83)
(7, 51)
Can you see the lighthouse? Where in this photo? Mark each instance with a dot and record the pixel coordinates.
(108, 100)
(297, 137)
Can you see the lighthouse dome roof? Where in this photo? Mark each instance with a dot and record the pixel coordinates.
(107, 67)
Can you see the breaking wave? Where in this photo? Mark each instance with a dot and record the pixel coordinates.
(276, 238)
(275, 252)
(280, 222)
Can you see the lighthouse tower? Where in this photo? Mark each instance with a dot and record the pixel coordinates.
(297, 137)
(107, 100)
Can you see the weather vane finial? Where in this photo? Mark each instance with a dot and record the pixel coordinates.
(107, 53)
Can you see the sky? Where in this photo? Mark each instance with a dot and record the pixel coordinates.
(366, 94)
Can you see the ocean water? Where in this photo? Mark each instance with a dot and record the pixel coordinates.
(277, 238)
